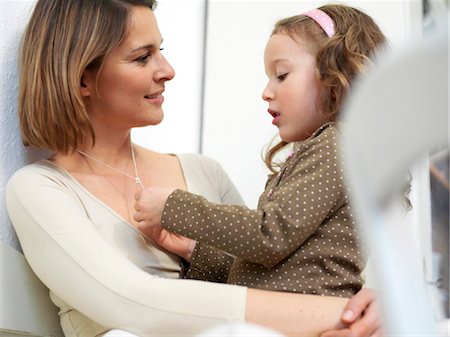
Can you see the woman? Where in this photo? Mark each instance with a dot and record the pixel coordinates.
(90, 71)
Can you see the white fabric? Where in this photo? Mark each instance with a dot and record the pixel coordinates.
(97, 265)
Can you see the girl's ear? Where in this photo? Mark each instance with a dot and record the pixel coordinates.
(87, 83)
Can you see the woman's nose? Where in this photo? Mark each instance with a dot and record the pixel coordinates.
(166, 72)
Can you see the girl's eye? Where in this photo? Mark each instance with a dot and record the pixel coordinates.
(282, 77)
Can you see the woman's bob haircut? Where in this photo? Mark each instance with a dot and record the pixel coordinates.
(62, 39)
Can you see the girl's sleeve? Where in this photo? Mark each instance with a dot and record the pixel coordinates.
(209, 263)
(311, 191)
(70, 257)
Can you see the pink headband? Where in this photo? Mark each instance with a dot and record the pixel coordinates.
(322, 19)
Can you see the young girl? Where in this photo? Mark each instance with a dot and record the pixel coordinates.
(303, 236)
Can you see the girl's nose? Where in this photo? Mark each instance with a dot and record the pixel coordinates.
(267, 93)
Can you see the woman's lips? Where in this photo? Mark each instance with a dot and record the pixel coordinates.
(275, 115)
(156, 98)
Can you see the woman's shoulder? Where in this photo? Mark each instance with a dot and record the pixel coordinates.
(202, 168)
(206, 176)
(30, 175)
(187, 160)
(36, 168)
(199, 161)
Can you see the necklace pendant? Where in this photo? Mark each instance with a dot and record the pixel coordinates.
(138, 181)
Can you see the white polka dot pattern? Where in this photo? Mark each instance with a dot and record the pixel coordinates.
(209, 264)
(302, 237)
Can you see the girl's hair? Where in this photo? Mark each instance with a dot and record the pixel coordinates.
(339, 59)
(62, 39)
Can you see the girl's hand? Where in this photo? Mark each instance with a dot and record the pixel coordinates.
(362, 315)
(149, 206)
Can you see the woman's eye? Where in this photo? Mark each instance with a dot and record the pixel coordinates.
(282, 77)
(143, 59)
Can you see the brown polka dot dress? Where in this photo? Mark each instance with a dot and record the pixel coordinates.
(301, 238)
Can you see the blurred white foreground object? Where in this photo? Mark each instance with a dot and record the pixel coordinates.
(119, 333)
(394, 117)
(240, 330)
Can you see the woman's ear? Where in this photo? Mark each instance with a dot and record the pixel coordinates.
(87, 83)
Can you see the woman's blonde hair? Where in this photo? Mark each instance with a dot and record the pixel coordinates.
(339, 59)
(62, 39)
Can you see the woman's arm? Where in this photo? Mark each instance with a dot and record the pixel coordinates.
(91, 275)
(294, 314)
(357, 317)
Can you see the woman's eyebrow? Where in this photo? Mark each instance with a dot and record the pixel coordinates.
(147, 46)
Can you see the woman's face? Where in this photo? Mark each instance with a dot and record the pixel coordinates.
(131, 82)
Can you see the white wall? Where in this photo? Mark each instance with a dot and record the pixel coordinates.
(13, 16)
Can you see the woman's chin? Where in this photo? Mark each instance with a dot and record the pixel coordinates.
(150, 121)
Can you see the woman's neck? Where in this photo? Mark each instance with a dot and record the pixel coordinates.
(112, 148)
(109, 143)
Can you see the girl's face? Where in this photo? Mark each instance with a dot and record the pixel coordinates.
(293, 88)
(131, 83)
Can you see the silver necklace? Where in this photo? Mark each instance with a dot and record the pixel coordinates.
(135, 177)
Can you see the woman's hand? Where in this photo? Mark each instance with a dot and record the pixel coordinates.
(149, 206)
(362, 314)
(174, 243)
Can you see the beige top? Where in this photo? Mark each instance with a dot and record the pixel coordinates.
(303, 236)
(101, 272)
